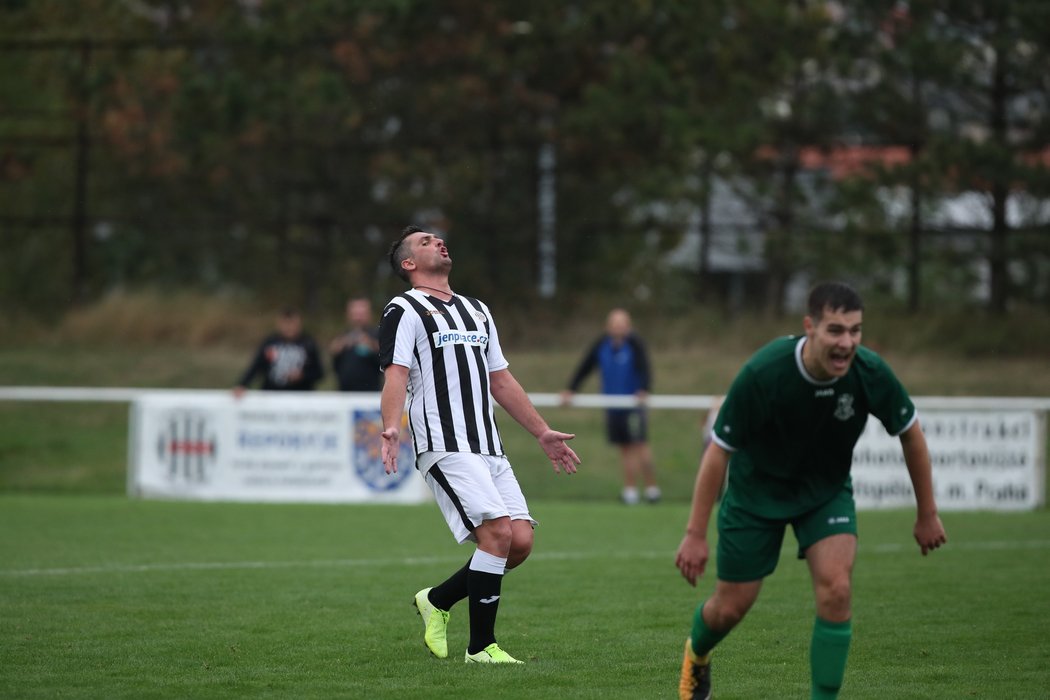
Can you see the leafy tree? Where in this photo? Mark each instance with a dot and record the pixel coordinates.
(785, 55)
(999, 112)
(895, 67)
(276, 148)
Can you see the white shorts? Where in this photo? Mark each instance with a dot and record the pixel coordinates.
(471, 488)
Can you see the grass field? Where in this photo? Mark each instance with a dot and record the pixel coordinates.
(105, 597)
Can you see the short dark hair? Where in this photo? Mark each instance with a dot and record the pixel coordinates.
(289, 311)
(837, 296)
(398, 254)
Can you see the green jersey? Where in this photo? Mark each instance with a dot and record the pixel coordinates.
(792, 436)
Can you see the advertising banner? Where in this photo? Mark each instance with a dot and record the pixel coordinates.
(987, 459)
(277, 447)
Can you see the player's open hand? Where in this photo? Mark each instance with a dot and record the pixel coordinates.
(692, 556)
(559, 453)
(929, 533)
(391, 446)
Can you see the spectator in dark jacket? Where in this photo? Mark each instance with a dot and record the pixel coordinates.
(287, 360)
(355, 353)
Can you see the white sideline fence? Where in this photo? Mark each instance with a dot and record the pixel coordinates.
(661, 401)
(987, 452)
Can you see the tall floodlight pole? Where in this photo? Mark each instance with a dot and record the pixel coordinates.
(547, 215)
(80, 175)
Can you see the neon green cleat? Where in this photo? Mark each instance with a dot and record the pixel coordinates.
(435, 624)
(491, 654)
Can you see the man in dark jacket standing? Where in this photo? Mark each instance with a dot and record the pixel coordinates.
(287, 359)
(355, 353)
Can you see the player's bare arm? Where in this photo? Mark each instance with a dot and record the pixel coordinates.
(391, 408)
(508, 393)
(929, 531)
(694, 552)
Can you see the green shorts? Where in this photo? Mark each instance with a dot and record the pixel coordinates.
(749, 545)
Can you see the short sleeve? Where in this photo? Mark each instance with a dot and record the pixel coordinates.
(889, 401)
(496, 360)
(397, 336)
(741, 414)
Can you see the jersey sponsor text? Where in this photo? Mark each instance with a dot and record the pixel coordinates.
(443, 338)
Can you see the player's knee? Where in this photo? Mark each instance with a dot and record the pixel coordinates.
(726, 617)
(520, 542)
(519, 552)
(722, 619)
(833, 598)
(725, 612)
(502, 531)
(495, 536)
(729, 604)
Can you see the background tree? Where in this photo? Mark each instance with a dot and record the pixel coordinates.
(272, 149)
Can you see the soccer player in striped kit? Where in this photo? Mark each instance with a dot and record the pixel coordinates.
(442, 351)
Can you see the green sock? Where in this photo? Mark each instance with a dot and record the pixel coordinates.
(827, 657)
(703, 637)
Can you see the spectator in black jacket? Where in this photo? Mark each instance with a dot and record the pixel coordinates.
(287, 359)
(355, 353)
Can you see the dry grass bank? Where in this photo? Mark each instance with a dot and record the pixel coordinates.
(195, 320)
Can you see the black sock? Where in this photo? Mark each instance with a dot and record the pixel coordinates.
(450, 591)
(484, 591)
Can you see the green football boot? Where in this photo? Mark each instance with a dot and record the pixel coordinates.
(435, 624)
(491, 654)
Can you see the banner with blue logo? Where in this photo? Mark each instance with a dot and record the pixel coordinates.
(268, 447)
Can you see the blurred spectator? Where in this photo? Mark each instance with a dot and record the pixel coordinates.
(287, 359)
(355, 353)
(624, 366)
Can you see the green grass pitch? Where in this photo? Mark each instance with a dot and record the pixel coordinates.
(106, 597)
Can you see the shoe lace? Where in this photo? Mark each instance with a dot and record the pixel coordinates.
(690, 682)
(495, 652)
(696, 677)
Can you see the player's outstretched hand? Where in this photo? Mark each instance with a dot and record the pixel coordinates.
(391, 445)
(560, 454)
(691, 559)
(929, 533)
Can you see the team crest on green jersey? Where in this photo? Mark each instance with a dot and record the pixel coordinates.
(844, 411)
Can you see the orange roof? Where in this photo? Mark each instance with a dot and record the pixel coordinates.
(846, 161)
(851, 161)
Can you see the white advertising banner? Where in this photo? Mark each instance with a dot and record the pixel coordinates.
(277, 447)
(987, 459)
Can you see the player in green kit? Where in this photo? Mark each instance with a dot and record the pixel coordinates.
(786, 433)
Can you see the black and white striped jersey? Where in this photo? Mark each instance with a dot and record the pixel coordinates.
(449, 349)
